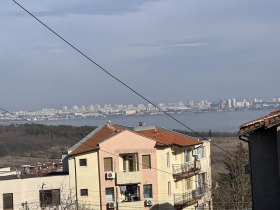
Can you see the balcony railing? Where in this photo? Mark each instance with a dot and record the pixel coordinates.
(129, 177)
(186, 169)
(188, 198)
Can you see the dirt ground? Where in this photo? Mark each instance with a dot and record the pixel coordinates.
(217, 155)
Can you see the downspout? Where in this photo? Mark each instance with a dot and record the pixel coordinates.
(77, 203)
(247, 140)
(99, 178)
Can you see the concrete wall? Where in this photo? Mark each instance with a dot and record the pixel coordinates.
(265, 168)
(87, 178)
(27, 190)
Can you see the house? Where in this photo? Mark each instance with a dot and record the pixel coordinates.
(143, 167)
(35, 191)
(263, 136)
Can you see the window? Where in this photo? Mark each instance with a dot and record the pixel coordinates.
(169, 188)
(84, 192)
(108, 166)
(130, 162)
(189, 183)
(200, 152)
(167, 159)
(109, 194)
(49, 197)
(146, 161)
(201, 180)
(130, 193)
(8, 203)
(187, 155)
(148, 191)
(83, 162)
(175, 156)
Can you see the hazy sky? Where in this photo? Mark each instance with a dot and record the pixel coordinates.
(168, 50)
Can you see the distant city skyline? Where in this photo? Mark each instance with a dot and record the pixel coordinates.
(223, 103)
(166, 50)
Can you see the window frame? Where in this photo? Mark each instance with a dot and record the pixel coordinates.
(144, 165)
(11, 196)
(113, 194)
(55, 201)
(169, 188)
(187, 155)
(83, 162)
(83, 192)
(111, 163)
(150, 193)
(167, 159)
(201, 152)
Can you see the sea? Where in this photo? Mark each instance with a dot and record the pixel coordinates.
(224, 121)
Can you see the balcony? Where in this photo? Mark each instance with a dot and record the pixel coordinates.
(186, 170)
(124, 178)
(188, 198)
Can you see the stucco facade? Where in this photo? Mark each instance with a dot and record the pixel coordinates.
(130, 168)
(25, 192)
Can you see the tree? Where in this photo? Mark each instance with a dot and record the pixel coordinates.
(233, 187)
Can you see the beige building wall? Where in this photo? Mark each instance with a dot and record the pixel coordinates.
(85, 177)
(128, 142)
(165, 176)
(177, 156)
(27, 190)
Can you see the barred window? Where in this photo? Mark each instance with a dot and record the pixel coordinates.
(49, 197)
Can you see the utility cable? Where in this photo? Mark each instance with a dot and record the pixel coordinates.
(84, 143)
(117, 79)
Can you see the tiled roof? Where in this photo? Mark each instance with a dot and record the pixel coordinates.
(160, 135)
(266, 121)
(166, 137)
(91, 143)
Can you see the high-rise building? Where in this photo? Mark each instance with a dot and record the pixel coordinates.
(229, 103)
(234, 102)
(222, 104)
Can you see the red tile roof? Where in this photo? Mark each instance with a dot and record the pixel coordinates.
(266, 121)
(161, 136)
(91, 143)
(166, 137)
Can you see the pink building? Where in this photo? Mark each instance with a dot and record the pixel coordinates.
(144, 167)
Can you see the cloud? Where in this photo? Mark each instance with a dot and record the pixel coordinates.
(83, 7)
(194, 44)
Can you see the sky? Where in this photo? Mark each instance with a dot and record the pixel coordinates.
(167, 50)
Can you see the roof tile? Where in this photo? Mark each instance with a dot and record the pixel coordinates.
(269, 120)
(161, 136)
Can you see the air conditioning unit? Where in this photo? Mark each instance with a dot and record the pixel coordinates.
(110, 175)
(149, 202)
(194, 152)
(111, 205)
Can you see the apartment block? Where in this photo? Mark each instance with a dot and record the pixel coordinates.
(143, 167)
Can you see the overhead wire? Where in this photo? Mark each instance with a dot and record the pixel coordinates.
(118, 80)
(84, 143)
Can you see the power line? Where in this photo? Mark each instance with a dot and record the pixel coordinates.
(84, 143)
(117, 79)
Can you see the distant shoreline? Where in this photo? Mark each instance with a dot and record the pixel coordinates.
(203, 122)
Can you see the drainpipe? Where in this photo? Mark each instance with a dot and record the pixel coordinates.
(99, 178)
(246, 138)
(77, 204)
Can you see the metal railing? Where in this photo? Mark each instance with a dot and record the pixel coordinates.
(186, 167)
(188, 197)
